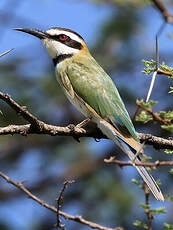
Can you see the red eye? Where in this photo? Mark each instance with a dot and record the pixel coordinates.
(63, 37)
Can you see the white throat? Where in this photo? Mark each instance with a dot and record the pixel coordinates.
(56, 48)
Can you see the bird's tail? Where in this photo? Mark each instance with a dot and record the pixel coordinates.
(148, 179)
(108, 130)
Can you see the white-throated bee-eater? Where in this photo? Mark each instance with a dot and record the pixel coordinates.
(92, 91)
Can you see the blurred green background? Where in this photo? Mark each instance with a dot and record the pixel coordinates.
(119, 34)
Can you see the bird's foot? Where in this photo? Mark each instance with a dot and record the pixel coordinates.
(83, 123)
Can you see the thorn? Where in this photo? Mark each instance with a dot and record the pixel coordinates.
(151, 86)
(6, 52)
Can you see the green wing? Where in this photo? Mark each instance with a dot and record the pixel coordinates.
(95, 87)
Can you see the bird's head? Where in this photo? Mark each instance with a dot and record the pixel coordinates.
(59, 42)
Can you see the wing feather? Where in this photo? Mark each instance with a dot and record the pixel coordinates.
(97, 89)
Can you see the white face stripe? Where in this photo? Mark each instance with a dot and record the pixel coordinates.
(57, 31)
(56, 48)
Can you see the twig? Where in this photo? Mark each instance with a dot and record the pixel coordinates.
(155, 164)
(155, 115)
(78, 219)
(168, 17)
(160, 71)
(59, 204)
(147, 209)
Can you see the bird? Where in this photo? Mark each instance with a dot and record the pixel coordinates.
(92, 91)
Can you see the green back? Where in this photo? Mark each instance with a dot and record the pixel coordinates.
(95, 87)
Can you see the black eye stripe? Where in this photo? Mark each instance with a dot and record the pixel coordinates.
(73, 44)
(69, 42)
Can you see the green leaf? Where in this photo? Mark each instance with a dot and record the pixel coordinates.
(140, 224)
(149, 66)
(158, 182)
(146, 207)
(151, 63)
(168, 197)
(135, 182)
(171, 90)
(147, 159)
(148, 104)
(158, 211)
(168, 151)
(168, 226)
(168, 127)
(171, 171)
(144, 117)
(149, 169)
(167, 115)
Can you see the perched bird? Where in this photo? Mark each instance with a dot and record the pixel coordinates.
(92, 91)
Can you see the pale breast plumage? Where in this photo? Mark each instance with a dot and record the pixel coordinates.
(66, 85)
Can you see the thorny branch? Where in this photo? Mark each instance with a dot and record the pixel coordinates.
(168, 18)
(155, 115)
(155, 164)
(39, 127)
(78, 219)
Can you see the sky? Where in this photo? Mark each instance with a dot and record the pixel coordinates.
(80, 15)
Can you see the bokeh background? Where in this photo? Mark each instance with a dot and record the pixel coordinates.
(119, 34)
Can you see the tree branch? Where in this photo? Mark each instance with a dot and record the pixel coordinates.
(39, 127)
(160, 71)
(147, 209)
(22, 110)
(73, 131)
(155, 164)
(59, 200)
(155, 115)
(78, 219)
(168, 17)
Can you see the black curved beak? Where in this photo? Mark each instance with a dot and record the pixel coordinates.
(37, 33)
